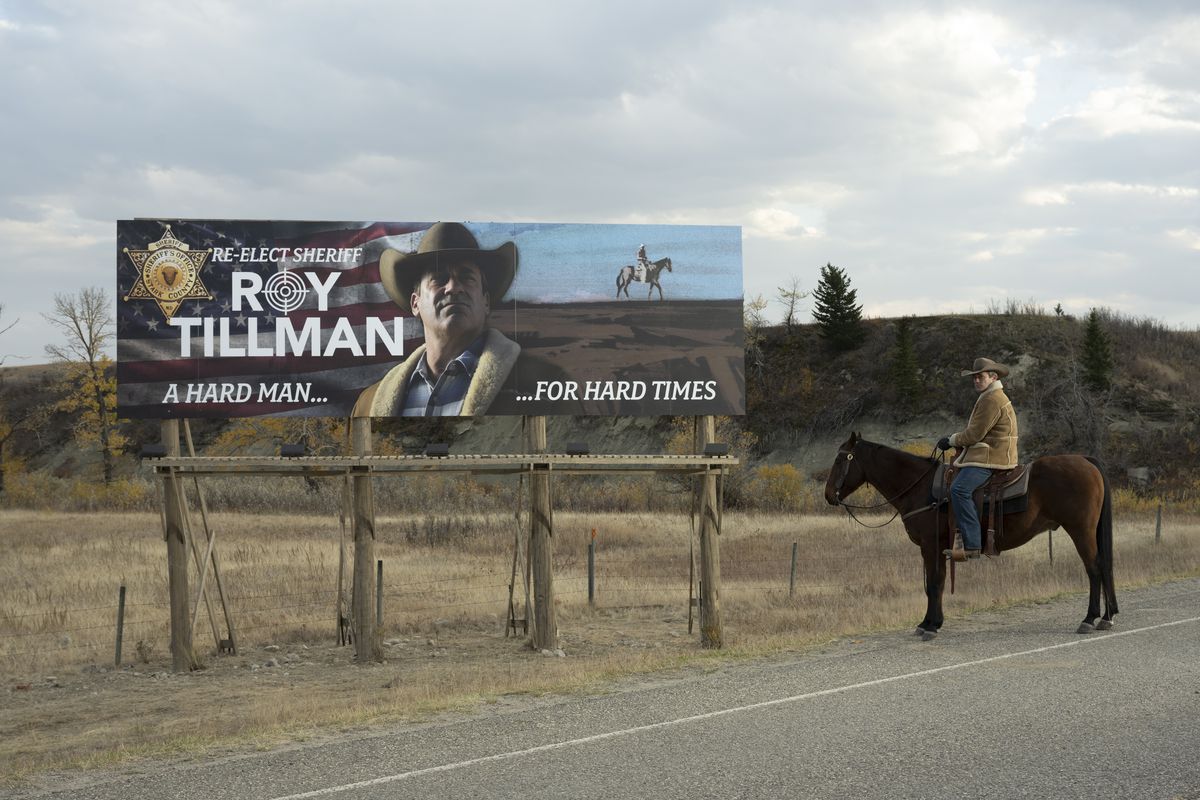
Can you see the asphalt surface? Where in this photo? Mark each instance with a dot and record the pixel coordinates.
(1002, 705)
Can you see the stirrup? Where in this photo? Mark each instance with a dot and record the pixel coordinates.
(956, 551)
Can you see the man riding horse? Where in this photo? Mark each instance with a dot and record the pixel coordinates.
(643, 263)
(988, 443)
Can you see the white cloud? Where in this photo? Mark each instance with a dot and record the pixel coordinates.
(1188, 237)
(1063, 194)
(915, 146)
(962, 82)
(1139, 108)
(53, 229)
(777, 223)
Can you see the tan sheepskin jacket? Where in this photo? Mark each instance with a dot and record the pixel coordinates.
(386, 398)
(990, 439)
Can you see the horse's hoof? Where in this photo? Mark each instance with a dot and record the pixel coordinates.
(919, 631)
(928, 636)
(1104, 625)
(1086, 627)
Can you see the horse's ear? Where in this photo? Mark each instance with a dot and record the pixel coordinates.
(853, 438)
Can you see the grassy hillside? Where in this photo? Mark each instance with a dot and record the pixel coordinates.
(803, 398)
(801, 390)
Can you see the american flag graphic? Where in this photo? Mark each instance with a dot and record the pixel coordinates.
(149, 359)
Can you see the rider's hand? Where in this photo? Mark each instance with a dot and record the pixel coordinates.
(944, 443)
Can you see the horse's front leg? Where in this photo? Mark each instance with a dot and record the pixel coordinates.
(935, 583)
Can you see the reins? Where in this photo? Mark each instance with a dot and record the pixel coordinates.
(849, 506)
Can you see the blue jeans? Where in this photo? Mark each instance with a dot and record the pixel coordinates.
(965, 483)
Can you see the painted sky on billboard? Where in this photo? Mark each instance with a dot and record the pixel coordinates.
(227, 318)
(564, 263)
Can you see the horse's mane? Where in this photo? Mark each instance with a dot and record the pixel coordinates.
(896, 451)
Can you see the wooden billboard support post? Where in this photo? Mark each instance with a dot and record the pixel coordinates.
(183, 659)
(366, 644)
(710, 547)
(541, 541)
(210, 535)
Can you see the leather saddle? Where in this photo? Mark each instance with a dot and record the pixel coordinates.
(1004, 493)
(1011, 483)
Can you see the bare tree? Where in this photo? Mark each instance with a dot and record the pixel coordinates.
(85, 320)
(4, 330)
(790, 296)
(752, 325)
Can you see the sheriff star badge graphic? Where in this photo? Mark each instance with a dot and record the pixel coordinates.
(168, 273)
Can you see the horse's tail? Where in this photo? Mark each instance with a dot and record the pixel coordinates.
(1104, 542)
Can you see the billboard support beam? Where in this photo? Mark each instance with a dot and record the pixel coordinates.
(710, 552)
(541, 541)
(183, 658)
(366, 637)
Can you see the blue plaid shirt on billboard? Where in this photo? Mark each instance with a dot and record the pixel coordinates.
(444, 396)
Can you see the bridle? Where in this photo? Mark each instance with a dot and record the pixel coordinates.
(841, 479)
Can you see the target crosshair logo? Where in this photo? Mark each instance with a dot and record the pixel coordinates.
(285, 291)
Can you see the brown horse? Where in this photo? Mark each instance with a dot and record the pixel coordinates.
(1068, 491)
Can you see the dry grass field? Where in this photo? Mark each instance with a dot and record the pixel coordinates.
(64, 705)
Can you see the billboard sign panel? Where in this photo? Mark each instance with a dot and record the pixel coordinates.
(228, 318)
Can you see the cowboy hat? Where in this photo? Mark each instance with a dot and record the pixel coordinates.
(451, 243)
(986, 365)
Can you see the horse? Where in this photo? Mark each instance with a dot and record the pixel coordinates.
(628, 274)
(1068, 491)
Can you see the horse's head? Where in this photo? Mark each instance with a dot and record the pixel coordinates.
(847, 473)
(667, 264)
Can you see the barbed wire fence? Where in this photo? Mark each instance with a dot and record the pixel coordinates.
(101, 634)
(776, 572)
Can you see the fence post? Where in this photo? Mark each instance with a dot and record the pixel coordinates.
(366, 642)
(1158, 525)
(1050, 539)
(120, 625)
(711, 634)
(379, 595)
(541, 540)
(792, 582)
(592, 571)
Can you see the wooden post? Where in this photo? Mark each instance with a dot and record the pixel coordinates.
(379, 596)
(120, 625)
(710, 547)
(366, 645)
(1158, 525)
(592, 572)
(182, 657)
(1050, 539)
(216, 564)
(792, 582)
(541, 542)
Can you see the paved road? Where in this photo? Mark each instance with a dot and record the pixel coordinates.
(1004, 705)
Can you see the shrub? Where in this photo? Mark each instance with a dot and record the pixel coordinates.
(777, 487)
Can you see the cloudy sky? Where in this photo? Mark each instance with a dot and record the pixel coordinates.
(948, 156)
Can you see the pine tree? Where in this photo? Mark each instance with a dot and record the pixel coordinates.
(904, 376)
(1097, 360)
(835, 311)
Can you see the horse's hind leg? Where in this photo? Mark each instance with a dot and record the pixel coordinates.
(1091, 563)
(1110, 603)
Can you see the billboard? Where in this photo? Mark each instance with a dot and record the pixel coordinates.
(228, 318)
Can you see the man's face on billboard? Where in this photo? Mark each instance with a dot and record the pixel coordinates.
(452, 302)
